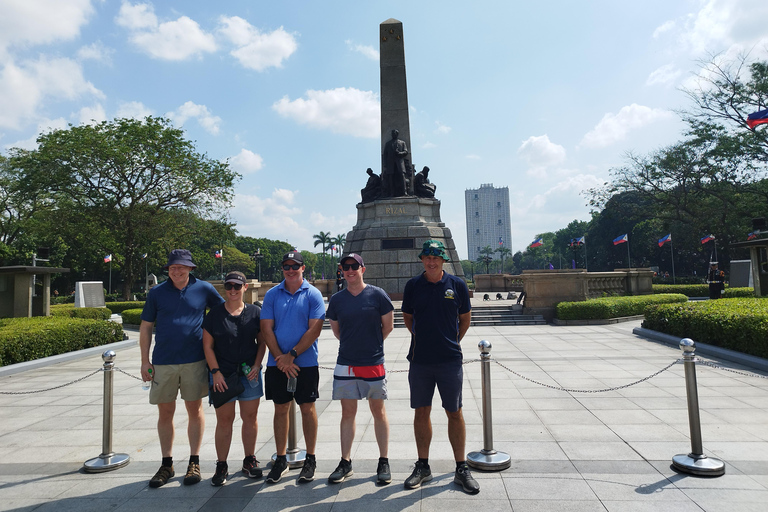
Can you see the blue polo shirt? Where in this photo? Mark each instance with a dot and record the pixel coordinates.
(291, 314)
(435, 308)
(178, 318)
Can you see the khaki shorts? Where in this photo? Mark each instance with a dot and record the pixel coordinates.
(190, 378)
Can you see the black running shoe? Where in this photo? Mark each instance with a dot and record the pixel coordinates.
(220, 477)
(463, 477)
(308, 471)
(421, 473)
(342, 472)
(279, 468)
(383, 475)
(251, 467)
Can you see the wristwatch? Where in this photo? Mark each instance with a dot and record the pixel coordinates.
(214, 371)
(293, 353)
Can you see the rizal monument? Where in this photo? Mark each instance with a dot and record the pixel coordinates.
(398, 211)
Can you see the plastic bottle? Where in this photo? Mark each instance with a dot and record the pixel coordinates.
(291, 387)
(246, 370)
(146, 384)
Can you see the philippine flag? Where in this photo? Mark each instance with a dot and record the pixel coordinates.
(580, 241)
(621, 239)
(219, 253)
(666, 239)
(707, 238)
(751, 236)
(501, 242)
(107, 258)
(537, 243)
(756, 118)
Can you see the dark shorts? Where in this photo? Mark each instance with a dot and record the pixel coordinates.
(448, 377)
(307, 382)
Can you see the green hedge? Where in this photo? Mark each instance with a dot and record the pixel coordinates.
(26, 339)
(70, 311)
(612, 307)
(701, 290)
(119, 307)
(736, 324)
(132, 316)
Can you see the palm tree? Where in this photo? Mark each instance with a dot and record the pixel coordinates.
(339, 241)
(486, 256)
(324, 239)
(503, 251)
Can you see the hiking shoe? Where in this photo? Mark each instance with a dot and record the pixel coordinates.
(464, 478)
(421, 474)
(383, 476)
(308, 471)
(220, 477)
(251, 467)
(279, 468)
(193, 474)
(162, 476)
(343, 470)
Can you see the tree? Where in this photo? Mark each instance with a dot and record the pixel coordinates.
(503, 251)
(338, 241)
(486, 257)
(324, 239)
(129, 177)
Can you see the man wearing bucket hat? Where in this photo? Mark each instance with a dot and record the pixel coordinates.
(436, 309)
(175, 310)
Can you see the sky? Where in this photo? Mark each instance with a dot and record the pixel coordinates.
(541, 97)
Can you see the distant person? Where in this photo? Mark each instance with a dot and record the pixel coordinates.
(436, 309)
(716, 281)
(292, 318)
(231, 333)
(361, 317)
(175, 309)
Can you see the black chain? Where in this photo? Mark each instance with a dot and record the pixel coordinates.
(713, 365)
(51, 389)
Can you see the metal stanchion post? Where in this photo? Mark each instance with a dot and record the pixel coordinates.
(695, 462)
(108, 460)
(487, 458)
(293, 454)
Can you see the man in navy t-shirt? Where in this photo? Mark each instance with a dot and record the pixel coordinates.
(436, 310)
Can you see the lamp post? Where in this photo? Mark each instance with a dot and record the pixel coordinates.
(257, 256)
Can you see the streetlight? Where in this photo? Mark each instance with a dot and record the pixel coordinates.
(257, 256)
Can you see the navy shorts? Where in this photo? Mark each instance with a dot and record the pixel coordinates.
(448, 377)
(275, 383)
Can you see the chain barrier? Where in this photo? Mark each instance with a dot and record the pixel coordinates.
(670, 365)
(713, 365)
(128, 374)
(51, 389)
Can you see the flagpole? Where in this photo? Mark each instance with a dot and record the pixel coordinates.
(586, 265)
(629, 261)
(672, 254)
(110, 275)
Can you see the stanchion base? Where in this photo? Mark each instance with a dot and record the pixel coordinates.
(295, 458)
(106, 462)
(486, 460)
(700, 465)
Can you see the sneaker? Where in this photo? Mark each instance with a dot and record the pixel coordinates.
(464, 478)
(162, 476)
(251, 467)
(279, 468)
(193, 474)
(220, 477)
(421, 474)
(343, 470)
(308, 471)
(383, 476)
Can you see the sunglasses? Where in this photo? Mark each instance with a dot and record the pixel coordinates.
(347, 266)
(432, 251)
(229, 286)
(295, 266)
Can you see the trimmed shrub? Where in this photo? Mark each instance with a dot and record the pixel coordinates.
(613, 307)
(26, 339)
(738, 324)
(69, 310)
(132, 316)
(700, 290)
(119, 307)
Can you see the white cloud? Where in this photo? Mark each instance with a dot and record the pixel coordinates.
(246, 162)
(615, 127)
(663, 28)
(665, 75)
(730, 25)
(190, 110)
(133, 110)
(25, 22)
(539, 152)
(92, 115)
(255, 49)
(344, 110)
(172, 40)
(96, 51)
(472, 157)
(428, 145)
(44, 126)
(368, 51)
(271, 217)
(441, 128)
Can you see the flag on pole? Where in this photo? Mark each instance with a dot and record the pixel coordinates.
(756, 118)
(144, 256)
(707, 238)
(537, 243)
(581, 241)
(751, 236)
(107, 258)
(621, 239)
(219, 253)
(501, 242)
(666, 239)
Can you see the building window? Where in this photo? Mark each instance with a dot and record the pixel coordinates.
(475, 196)
(499, 221)
(477, 214)
(477, 231)
(498, 203)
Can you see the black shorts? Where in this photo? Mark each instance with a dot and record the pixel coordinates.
(275, 383)
(448, 377)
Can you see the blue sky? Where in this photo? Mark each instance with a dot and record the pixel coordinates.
(542, 97)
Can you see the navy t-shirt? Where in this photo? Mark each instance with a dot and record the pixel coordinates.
(435, 308)
(359, 318)
(234, 337)
(178, 317)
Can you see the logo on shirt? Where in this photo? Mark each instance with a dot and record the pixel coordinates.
(449, 294)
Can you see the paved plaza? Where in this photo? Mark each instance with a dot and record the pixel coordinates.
(570, 451)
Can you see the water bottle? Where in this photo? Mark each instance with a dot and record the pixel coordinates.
(146, 384)
(246, 370)
(291, 387)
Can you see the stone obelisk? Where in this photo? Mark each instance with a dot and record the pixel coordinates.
(390, 232)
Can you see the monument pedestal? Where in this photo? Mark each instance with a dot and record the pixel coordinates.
(389, 234)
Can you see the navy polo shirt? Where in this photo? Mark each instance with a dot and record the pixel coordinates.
(435, 308)
(178, 318)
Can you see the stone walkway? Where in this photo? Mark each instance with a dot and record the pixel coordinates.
(570, 451)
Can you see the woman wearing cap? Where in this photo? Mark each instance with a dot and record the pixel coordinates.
(231, 342)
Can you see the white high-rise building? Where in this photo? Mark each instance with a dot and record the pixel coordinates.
(488, 219)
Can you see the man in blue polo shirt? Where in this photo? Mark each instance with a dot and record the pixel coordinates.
(175, 309)
(291, 321)
(436, 309)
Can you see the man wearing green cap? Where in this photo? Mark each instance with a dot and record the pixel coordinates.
(436, 309)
